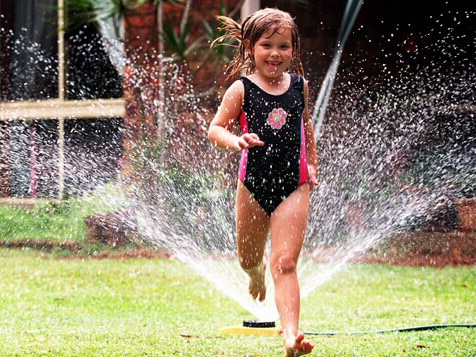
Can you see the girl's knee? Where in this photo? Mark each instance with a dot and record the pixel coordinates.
(283, 264)
(250, 263)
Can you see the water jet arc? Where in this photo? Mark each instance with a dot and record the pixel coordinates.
(348, 20)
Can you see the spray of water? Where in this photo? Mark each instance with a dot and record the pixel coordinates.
(377, 178)
(391, 159)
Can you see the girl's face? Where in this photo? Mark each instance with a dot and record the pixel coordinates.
(273, 53)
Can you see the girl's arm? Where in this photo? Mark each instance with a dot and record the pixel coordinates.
(311, 153)
(220, 130)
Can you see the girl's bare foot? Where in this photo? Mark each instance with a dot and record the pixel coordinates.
(297, 346)
(257, 282)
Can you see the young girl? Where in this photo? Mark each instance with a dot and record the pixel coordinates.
(278, 167)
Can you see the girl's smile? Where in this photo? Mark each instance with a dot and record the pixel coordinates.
(273, 65)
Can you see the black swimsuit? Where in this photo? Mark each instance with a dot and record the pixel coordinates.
(274, 171)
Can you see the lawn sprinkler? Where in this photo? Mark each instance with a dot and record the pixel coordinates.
(252, 327)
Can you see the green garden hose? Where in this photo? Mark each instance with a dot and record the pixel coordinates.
(257, 328)
(402, 329)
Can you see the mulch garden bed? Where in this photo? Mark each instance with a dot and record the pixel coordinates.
(436, 249)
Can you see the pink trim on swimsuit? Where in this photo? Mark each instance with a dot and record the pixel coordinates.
(303, 169)
(244, 156)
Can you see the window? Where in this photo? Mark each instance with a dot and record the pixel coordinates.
(61, 105)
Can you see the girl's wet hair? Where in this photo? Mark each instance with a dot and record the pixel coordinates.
(248, 33)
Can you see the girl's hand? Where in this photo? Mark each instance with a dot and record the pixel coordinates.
(249, 140)
(313, 183)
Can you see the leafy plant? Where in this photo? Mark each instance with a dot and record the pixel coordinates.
(212, 32)
(81, 12)
(177, 40)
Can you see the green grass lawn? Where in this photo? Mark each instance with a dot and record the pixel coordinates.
(58, 222)
(151, 307)
(46, 222)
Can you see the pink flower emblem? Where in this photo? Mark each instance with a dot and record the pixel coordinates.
(277, 118)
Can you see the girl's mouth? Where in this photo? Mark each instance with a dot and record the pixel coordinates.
(273, 65)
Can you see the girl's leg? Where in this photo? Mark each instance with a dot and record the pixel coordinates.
(252, 226)
(288, 227)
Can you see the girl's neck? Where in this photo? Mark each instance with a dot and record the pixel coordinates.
(272, 85)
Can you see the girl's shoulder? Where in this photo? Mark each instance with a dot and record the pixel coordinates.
(298, 81)
(295, 77)
(235, 92)
(248, 82)
(236, 87)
